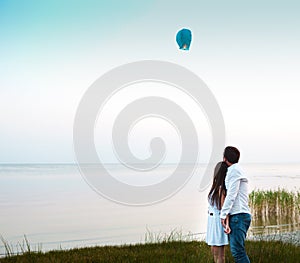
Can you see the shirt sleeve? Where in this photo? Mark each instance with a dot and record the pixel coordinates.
(233, 187)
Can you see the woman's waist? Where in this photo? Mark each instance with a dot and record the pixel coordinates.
(214, 209)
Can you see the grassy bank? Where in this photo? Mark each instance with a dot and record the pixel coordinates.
(176, 251)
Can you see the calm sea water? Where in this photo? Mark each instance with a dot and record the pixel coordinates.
(53, 206)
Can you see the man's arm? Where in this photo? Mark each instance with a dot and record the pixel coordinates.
(232, 191)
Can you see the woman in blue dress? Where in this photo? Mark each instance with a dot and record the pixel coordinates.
(216, 235)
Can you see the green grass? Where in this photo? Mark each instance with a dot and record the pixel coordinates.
(175, 251)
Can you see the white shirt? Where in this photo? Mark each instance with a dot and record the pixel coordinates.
(236, 200)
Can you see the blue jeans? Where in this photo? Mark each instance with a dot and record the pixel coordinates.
(239, 225)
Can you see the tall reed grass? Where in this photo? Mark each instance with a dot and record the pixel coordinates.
(279, 208)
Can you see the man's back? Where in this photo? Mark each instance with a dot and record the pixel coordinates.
(237, 191)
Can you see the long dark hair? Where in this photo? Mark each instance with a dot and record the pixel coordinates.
(218, 185)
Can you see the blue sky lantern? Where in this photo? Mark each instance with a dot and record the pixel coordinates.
(184, 38)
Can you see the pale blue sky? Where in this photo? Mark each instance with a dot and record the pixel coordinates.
(246, 51)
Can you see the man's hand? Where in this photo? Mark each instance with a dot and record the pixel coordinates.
(225, 224)
(227, 230)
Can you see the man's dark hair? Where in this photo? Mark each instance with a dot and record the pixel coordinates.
(232, 154)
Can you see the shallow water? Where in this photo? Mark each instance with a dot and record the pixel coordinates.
(53, 205)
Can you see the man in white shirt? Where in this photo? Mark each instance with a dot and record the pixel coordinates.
(236, 205)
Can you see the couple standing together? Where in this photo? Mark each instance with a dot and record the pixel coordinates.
(228, 215)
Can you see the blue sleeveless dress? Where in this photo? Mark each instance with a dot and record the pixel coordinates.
(215, 235)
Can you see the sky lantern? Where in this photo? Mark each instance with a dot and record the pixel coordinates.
(184, 38)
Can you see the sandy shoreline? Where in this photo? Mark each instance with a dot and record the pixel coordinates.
(288, 237)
